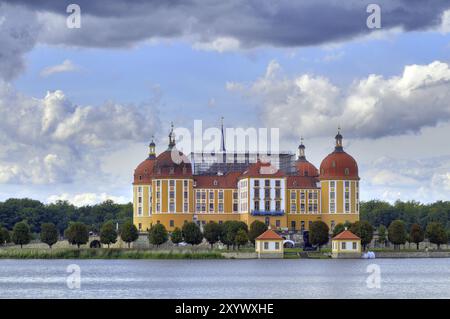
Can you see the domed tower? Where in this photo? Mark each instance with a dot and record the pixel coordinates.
(302, 166)
(339, 182)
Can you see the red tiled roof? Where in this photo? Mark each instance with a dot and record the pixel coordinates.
(346, 234)
(269, 234)
(305, 168)
(295, 181)
(339, 165)
(228, 180)
(260, 169)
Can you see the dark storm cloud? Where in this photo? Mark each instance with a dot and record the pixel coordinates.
(252, 23)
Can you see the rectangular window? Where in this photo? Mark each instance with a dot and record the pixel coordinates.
(172, 194)
(171, 223)
(332, 184)
(185, 183)
(256, 183)
(277, 246)
(235, 207)
(277, 193)
(139, 211)
(293, 208)
(277, 183)
(185, 207)
(220, 195)
(211, 207)
(256, 205)
(343, 245)
(267, 182)
(277, 223)
(198, 195)
(267, 206)
(220, 207)
(211, 195)
(172, 207)
(293, 195)
(266, 245)
(354, 246)
(139, 199)
(278, 206)
(267, 193)
(302, 207)
(171, 183)
(235, 195)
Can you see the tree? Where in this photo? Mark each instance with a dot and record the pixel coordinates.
(339, 228)
(4, 236)
(192, 233)
(108, 234)
(49, 234)
(129, 233)
(77, 234)
(177, 236)
(21, 234)
(212, 232)
(416, 235)
(241, 238)
(382, 234)
(256, 229)
(318, 233)
(157, 235)
(230, 230)
(363, 230)
(397, 233)
(436, 234)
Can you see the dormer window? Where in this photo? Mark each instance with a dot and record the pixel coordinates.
(184, 170)
(171, 171)
(158, 171)
(347, 172)
(140, 177)
(215, 182)
(333, 164)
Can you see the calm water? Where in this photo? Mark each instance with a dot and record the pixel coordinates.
(400, 278)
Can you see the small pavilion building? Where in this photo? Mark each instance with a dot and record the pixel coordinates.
(269, 245)
(346, 245)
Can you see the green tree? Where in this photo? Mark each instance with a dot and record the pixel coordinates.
(77, 234)
(157, 235)
(416, 235)
(212, 232)
(177, 236)
(397, 233)
(382, 234)
(129, 233)
(230, 230)
(363, 230)
(256, 229)
(339, 228)
(21, 234)
(241, 238)
(192, 233)
(49, 234)
(319, 233)
(436, 234)
(108, 233)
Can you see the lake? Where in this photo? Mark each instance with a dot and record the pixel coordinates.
(296, 278)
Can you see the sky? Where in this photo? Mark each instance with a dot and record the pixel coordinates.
(78, 106)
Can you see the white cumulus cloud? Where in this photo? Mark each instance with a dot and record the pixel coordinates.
(65, 66)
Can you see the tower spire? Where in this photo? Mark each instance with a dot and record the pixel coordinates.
(222, 146)
(151, 149)
(301, 150)
(171, 136)
(339, 137)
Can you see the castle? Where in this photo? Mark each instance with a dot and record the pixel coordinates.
(171, 192)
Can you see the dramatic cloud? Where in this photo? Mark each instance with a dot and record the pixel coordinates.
(224, 24)
(371, 107)
(18, 34)
(66, 66)
(51, 140)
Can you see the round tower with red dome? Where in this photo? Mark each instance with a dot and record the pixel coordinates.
(339, 181)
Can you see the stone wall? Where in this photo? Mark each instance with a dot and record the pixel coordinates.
(416, 254)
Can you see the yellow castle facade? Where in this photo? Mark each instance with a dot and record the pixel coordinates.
(166, 191)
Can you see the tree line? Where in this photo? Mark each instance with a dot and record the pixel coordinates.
(61, 213)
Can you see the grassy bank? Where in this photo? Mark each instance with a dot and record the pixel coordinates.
(103, 253)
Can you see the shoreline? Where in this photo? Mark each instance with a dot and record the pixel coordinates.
(126, 253)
